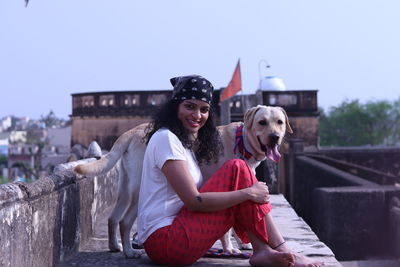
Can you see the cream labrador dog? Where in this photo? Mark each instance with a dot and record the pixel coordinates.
(258, 138)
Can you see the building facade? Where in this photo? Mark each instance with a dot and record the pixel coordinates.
(104, 116)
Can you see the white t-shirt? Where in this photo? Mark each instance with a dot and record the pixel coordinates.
(158, 202)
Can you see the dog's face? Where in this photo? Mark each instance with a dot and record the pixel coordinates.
(266, 126)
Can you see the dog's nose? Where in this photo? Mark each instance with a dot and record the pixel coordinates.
(273, 137)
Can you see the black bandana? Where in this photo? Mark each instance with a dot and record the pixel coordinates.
(192, 87)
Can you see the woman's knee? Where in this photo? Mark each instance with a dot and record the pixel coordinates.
(235, 163)
(239, 167)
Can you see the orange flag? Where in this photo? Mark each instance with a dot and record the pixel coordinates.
(234, 86)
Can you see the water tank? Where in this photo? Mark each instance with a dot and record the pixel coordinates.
(271, 83)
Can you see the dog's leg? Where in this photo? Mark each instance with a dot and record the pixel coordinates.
(242, 245)
(226, 242)
(125, 227)
(119, 209)
(134, 171)
(114, 219)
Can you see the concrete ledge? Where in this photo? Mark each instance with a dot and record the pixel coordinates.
(64, 216)
(355, 221)
(380, 158)
(10, 193)
(358, 213)
(394, 225)
(333, 175)
(47, 220)
(311, 174)
(297, 233)
(366, 173)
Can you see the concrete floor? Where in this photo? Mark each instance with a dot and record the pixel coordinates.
(371, 263)
(298, 234)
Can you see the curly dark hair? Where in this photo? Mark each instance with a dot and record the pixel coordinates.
(207, 147)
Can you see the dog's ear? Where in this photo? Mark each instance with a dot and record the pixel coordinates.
(249, 116)
(288, 127)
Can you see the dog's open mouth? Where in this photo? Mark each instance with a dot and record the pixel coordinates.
(271, 151)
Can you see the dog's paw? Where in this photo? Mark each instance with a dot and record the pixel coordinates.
(247, 246)
(231, 250)
(114, 247)
(133, 254)
(236, 251)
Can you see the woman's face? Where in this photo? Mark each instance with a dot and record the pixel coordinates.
(193, 114)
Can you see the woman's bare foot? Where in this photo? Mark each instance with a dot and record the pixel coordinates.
(304, 261)
(272, 258)
(300, 260)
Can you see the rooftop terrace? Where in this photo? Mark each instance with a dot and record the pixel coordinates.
(60, 220)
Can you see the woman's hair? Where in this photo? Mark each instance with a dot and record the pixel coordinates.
(208, 143)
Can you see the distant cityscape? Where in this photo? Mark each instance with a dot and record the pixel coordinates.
(30, 148)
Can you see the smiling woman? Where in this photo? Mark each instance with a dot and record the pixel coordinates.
(193, 114)
(180, 216)
(190, 111)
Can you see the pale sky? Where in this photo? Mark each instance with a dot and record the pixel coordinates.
(346, 49)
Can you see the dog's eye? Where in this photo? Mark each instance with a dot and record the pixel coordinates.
(263, 123)
(280, 122)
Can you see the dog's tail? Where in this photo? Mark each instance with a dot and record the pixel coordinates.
(104, 164)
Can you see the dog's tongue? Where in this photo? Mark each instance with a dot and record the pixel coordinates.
(273, 154)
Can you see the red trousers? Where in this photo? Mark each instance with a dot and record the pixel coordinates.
(191, 234)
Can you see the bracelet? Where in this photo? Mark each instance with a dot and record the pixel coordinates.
(279, 245)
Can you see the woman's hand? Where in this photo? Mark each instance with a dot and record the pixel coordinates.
(258, 193)
(179, 177)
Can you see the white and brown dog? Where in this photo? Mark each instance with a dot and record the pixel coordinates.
(254, 140)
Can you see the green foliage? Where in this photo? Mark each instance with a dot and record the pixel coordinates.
(394, 137)
(37, 140)
(3, 180)
(3, 160)
(355, 124)
(51, 120)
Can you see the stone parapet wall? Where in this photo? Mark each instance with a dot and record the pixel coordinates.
(350, 214)
(384, 159)
(45, 221)
(354, 221)
(311, 174)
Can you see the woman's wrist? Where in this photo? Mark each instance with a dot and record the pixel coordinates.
(247, 192)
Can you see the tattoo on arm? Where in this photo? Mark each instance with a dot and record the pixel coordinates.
(199, 199)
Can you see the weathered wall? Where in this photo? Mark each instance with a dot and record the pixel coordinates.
(311, 174)
(104, 130)
(355, 221)
(372, 175)
(305, 128)
(45, 221)
(384, 159)
(350, 214)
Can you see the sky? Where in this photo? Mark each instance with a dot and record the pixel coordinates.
(51, 49)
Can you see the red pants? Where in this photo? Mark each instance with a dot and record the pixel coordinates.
(191, 234)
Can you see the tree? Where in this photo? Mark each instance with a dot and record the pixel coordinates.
(356, 124)
(394, 124)
(51, 120)
(37, 139)
(3, 160)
